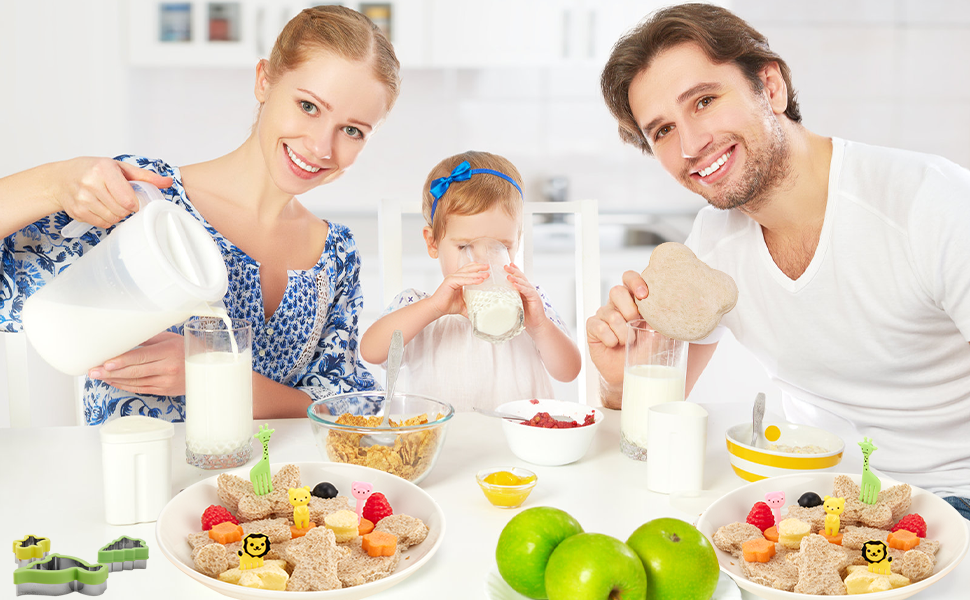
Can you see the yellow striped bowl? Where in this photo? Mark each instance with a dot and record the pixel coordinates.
(753, 464)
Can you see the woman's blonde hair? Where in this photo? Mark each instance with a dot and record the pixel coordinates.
(339, 30)
(476, 195)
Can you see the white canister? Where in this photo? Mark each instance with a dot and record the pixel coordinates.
(136, 460)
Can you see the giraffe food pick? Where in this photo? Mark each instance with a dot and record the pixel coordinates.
(870, 485)
(259, 474)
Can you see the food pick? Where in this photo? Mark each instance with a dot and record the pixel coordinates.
(259, 474)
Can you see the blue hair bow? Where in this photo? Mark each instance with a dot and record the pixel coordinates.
(462, 172)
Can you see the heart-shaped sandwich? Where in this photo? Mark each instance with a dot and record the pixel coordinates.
(686, 297)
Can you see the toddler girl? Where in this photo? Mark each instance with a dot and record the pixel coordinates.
(468, 196)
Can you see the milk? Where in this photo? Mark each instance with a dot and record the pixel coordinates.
(219, 407)
(496, 312)
(643, 387)
(57, 330)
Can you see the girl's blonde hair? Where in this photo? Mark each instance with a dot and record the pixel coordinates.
(345, 33)
(476, 195)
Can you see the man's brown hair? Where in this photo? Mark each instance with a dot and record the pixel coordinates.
(723, 36)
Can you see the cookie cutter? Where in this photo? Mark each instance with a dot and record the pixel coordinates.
(29, 549)
(57, 575)
(125, 553)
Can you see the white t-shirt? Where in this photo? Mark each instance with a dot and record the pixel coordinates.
(872, 339)
(446, 361)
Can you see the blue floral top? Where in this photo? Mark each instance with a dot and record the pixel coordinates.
(309, 343)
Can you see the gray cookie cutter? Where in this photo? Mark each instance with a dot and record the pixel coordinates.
(125, 553)
(57, 575)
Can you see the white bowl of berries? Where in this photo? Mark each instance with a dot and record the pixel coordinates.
(557, 433)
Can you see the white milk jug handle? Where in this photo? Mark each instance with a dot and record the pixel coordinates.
(145, 192)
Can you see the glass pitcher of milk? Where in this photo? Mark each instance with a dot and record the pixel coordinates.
(494, 306)
(151, 272)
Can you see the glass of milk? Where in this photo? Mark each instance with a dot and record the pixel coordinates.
(494, 306)
(655, 372)
(218, 392)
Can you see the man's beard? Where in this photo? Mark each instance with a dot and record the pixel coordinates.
(765, 169)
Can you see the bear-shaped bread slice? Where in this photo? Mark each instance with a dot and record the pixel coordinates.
(686, 297)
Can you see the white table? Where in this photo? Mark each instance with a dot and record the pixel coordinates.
(51, 480)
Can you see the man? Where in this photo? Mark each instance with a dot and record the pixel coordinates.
(852, 261)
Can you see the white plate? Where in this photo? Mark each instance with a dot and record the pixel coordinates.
(497, 589)
(943, 523)
(182, 514)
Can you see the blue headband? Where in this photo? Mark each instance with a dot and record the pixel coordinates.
(462, 172)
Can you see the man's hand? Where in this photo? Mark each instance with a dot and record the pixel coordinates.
(606, 333)
(156, 367)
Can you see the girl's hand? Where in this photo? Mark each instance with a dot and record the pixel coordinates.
(448, 299)
(535, 313)
(96, 190)
(155, 367)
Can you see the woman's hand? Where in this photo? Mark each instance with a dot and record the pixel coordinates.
(156, 367)
(535, 313)
(448, 299)
(96, 190)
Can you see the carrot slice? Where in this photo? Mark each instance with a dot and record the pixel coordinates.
(902, 539)
(834, 539)
(297, 532)
(364, 527)
(772, 534)
(226, 532)
(758, 550)
(379, 543)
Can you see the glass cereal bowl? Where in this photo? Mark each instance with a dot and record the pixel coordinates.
(346, 430)
(506, 487)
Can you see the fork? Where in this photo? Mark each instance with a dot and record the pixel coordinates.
(870, 485)
(259, 474)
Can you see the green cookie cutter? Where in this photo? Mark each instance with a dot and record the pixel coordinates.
(57, 575)
(30, 549)
(125, 553)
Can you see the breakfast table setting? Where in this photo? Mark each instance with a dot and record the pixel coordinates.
(53, 488)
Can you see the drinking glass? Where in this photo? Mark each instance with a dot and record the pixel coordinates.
(494, 306)
(218, 392)
(655, 372)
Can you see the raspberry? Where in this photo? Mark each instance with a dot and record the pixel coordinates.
(216, 514)
(377, 508)
(761, 516)
(912, 522)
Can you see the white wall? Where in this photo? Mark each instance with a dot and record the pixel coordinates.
(877, 71)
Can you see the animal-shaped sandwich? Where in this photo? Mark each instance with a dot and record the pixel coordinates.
(254, 547)
(686, 297)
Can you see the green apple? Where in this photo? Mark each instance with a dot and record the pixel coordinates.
(526, 543)
(593, 566)
(680, 562)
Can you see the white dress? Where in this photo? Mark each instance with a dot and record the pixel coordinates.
(446, 361)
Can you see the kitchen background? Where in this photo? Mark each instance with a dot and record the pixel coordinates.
(174, 80)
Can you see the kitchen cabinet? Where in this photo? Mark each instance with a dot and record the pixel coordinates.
(239, 33)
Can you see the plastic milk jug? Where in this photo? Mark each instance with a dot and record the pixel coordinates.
(154, 270)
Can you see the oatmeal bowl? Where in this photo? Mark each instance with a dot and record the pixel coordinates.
(558, 432)
(788, 448)
(347, 429)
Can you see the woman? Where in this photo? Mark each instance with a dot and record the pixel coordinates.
(327, 86)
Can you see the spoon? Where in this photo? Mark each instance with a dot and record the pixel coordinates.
(757, 415)
(394, 354)
(511, 417)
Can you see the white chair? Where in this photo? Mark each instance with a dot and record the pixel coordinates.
(585, 217)
(35, 389)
